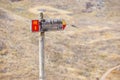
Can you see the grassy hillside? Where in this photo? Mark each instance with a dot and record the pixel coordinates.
(82, 52)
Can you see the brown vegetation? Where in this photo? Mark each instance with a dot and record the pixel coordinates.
(83, 52)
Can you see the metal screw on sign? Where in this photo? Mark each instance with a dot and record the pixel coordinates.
(42, 26)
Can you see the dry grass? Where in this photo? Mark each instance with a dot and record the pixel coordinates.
(83, 52)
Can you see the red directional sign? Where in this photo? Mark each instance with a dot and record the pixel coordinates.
(35, 26)
(48, 25)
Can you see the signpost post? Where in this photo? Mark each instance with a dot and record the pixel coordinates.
(41, 53)
(42, 26)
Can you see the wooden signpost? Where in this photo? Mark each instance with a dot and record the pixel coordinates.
(42, 26)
